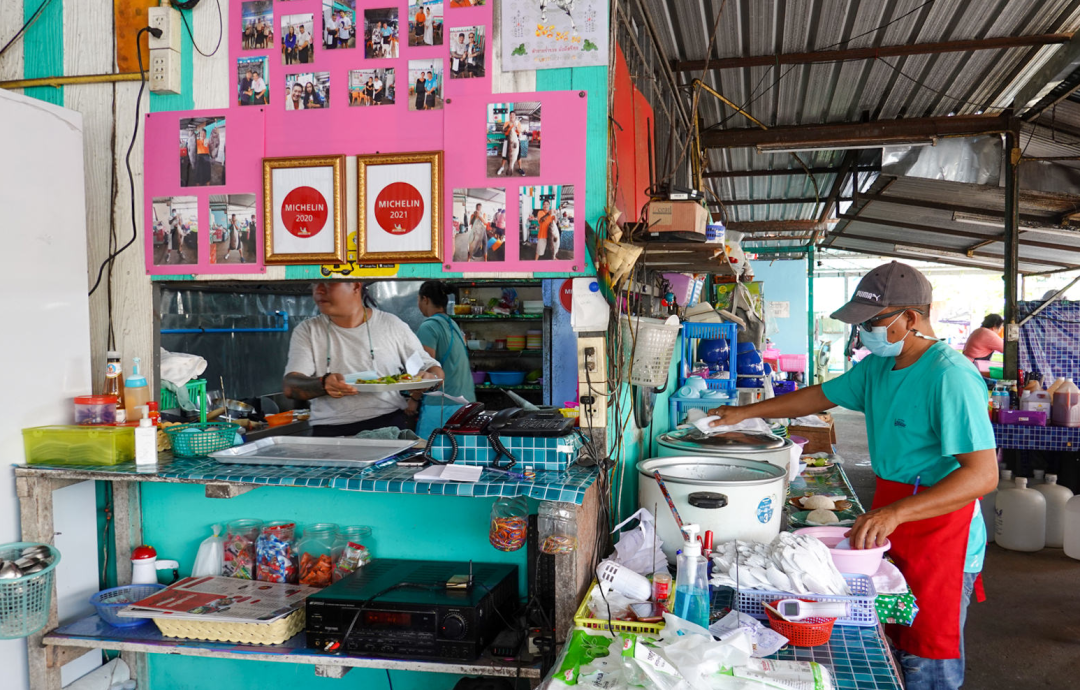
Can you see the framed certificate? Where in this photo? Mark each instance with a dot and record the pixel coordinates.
(303, 210)
(399, 199)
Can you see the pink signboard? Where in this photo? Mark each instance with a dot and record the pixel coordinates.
(515, 182)
(203, 191)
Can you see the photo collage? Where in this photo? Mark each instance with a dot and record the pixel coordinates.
(435, 51)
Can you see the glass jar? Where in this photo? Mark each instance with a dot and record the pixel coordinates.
(509, 523)
(357, 534)
(352, 550)
(557, 527)
(275, 552)
(315, 552)
(240, 538)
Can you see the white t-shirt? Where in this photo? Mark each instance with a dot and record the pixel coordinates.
(302, 39)
(258, 86)
(349, 351)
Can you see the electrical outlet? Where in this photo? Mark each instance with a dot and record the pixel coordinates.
(164, 71)
(592, 404)
(168, 20)
(591, 355)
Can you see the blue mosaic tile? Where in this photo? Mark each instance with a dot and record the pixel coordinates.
(1019, 437)
(535, 453)
(858, 657)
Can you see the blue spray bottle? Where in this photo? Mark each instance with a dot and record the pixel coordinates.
(692, 581)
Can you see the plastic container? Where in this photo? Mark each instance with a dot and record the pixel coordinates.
(1036, 401)
(25, 601)
(809, 632)
(357, 534)
(200, 440)
(478, 377)
(79, 445)
(352, 550)
(533, 306)
(515, 343)
(557, 527)
(1057, 497)
(1065, 405)
(692, 581)
(315, 551)
(240, 538)
(1021, 518)
(1072, 528)
(506, 378)
(652, 343)
(585, 619)
(136, 392)
(988, 502)
(108, 603)
(275, 553)
(792, 362)
(95, 410)
(146, 454)
(862, 611)
(509, 523)
(196, 390)
(858, 561)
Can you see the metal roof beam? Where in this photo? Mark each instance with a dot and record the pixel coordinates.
(955, 208)
(856, 134)
(935, 258)
(770, 202)
(771, 226)
(951, 232)
(785, 171)
(873, 53)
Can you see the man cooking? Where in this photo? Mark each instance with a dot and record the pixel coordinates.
(932, 449)
(350, 337)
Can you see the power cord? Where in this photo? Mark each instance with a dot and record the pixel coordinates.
(190, 5)
(156, 33)
(25, 26)
(340, 647)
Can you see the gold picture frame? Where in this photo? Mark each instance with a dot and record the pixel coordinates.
(276, 254)
(366, 168)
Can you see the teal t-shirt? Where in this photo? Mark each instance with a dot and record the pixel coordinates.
(918, 418)
(444, 336)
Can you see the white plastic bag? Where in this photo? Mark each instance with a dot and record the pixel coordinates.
(211, 556)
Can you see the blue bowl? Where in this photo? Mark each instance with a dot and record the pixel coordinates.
(506, 378)
(108, 603)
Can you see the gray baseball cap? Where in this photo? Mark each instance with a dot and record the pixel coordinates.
(890, 285)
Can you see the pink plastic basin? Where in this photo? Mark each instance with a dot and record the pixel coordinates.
(860, 562)
(799, 441)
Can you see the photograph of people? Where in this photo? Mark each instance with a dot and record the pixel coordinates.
(371, 87)
(513, 144)
(350, 335)
(425, 23)
(307, 91)
(454, 4)
(425, 80)
(202, 151)
(339, 20)
(257, 22)
(297, 46)
(479, 224)
(547, 223)
(467, 52)
(251, 77)
(381, 33)
(176, 230)
(231, 228)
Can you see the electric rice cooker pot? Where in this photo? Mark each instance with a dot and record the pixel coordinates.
(751, 445)
(736, 498)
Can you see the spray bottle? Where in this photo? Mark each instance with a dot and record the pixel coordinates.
(692, 581)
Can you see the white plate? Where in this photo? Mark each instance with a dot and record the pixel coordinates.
(390, 387)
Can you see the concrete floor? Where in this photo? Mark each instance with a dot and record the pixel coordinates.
(1027, 633)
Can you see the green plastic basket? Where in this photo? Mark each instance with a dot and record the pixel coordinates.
(24, 601)
(196, 390)
(202, 439)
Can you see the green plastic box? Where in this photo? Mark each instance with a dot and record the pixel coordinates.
(79, 445)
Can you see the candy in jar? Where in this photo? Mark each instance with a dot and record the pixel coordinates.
(352, 557)
(275, 554)
(240, 538)
(315, 571)
(315, 551)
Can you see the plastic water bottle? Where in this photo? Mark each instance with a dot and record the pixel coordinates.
(1072, 528)
(1057, 497)
(1021, 518)
(988, 501)
(451, 302)
(692, 581)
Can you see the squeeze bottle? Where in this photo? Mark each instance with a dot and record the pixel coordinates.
(136, 392)
(692, 581)
(1056, 497)
(146, 444)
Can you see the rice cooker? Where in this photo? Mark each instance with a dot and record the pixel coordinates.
(751, 445)
(736, 498)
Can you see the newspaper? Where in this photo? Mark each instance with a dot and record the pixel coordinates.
(221, 598)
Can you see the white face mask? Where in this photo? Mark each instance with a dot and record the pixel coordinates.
(877, 340)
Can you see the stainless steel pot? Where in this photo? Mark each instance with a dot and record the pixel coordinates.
(749, 445)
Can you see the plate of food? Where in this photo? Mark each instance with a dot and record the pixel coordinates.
(817, 518)
(817, 465)
(812, 502)
(364, 382)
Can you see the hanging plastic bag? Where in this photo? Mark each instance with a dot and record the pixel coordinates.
(211, 556)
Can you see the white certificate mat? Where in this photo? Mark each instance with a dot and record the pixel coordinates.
(285, 180)
(377, 238)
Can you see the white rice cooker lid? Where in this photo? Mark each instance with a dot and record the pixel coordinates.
(712, 470)
(732, 441)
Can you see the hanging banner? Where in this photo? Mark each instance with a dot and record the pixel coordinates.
(544, 34)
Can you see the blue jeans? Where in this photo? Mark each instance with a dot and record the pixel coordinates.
(939, 674)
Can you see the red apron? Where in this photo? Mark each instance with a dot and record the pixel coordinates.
(931, 554)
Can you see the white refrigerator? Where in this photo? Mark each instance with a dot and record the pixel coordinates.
(45, 336)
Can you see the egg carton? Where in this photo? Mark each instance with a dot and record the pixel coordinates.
(861, 609)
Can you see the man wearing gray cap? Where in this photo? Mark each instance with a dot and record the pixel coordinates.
(933, 451)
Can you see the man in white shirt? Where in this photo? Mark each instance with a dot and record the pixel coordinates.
(295, 100)
(344, 29)
(303, 44)
(341, 339)
(258, 90)
(332, 31)
(377, 89)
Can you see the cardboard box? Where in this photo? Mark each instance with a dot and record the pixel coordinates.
(678, 216)
(821, 438)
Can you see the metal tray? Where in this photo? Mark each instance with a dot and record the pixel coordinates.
(305, 451)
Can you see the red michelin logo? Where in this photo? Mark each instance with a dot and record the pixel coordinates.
(304, 212)
(399, 208)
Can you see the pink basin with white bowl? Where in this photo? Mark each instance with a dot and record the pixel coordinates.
(861, 561)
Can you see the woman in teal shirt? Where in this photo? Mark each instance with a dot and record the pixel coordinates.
(443, 340)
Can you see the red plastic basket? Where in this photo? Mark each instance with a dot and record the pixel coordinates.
(809, 632)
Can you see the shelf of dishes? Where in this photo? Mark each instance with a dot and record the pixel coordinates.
(499, 317)
(516, 343)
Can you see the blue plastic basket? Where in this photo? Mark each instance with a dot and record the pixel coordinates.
(24, 601)
(108, 603)
(861, 609)
(677, 407)
(692, 333)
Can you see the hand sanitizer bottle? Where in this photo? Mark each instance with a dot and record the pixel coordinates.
(692, 581)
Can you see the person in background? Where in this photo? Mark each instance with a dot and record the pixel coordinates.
(249, 36)
(545, 219)
(421, 91)
(289, 46)
(342, 339)
(258, 89)
(202, 148)
(474, 66)
(233, 230)
(388, 41)
(245, 88)
(985, 340)
(303, 45)
(376, 40)
(933, 450)
(332, 31)
(312, 99)
(478, 234)
(344, 30)
(431, 91)
(295, 101)
(443, 340)
(260, 34)
(418, 29)
(459, 53)
(378, 90)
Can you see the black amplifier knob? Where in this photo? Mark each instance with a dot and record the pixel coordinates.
(453, 626)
